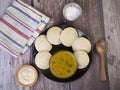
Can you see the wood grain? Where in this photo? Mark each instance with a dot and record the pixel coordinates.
(91, 24)
(4, 5)
(29, 2)
(111, 14)
(100, 19)
(9, 64)
(53, 9)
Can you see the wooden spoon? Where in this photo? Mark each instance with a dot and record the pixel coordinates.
(101, 47)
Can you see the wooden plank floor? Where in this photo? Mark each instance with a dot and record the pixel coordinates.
(100, 19)
(112, 35)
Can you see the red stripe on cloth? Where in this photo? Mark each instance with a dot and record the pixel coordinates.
(33, 37)
(19, 22)
(15, 29)
(9, 50)
(38, 30)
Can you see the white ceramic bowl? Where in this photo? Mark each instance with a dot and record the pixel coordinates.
(72, 11)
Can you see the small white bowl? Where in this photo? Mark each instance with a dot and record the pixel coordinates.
(21, 69)
(72, 11)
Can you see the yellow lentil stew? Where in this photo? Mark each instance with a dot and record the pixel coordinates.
(63, 64)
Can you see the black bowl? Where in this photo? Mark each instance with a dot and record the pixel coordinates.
(79, 73)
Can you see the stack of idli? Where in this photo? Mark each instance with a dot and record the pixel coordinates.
(69, 38)
(81, 47)
(43, 45)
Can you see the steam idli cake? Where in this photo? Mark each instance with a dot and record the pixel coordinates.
(42, 44)
(53, 35)
(42, 59)
(68, 35)
(82, 59)
(81, 43)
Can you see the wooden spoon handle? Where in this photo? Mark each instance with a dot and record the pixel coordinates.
(102, 72)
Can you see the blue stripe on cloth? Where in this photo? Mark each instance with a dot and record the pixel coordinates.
(19, 15)
(25, 14)
(19, 23)
(28, 7)
(43, 22)
(9, 48)
(27, 45)
(13, 41)
(19, 20)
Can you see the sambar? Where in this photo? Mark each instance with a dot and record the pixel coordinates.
(63, 64)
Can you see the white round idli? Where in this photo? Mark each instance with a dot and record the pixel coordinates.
(81, 43)
(82, 59)
(42, 59)
(68, 35)
(42, 44)
(53, 35)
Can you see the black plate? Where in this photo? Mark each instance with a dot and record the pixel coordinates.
(79, 73)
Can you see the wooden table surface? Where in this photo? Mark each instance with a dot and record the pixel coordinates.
(100, 19)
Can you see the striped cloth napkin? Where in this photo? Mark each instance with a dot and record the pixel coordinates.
(19, 27)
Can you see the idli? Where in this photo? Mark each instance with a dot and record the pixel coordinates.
(53, 35)
(42, 44)
(82, 59)
(42, 59)
(68, 35)
(81, 43)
